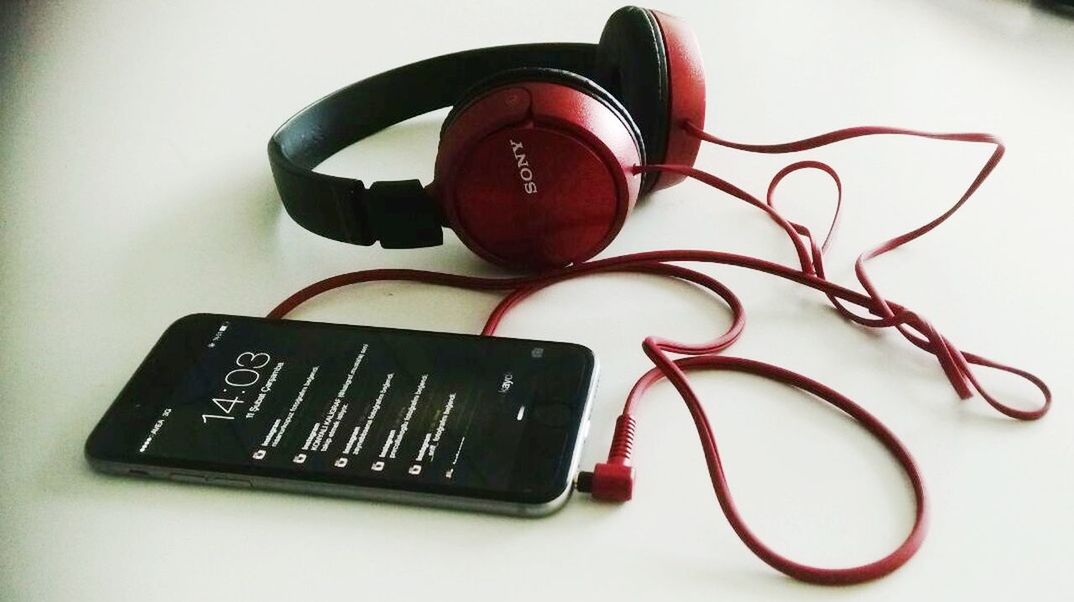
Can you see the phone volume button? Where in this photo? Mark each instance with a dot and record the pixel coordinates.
(186, 478)
(230, 482)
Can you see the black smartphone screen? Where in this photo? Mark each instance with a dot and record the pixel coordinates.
(418, 411)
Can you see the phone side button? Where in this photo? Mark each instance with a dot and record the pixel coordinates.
(186, 478)
(230, 482)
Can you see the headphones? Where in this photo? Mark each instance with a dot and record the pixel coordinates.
(539, 160)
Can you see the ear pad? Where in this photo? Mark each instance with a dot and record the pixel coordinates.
(631, 63)
(652, 63)
(535, 168)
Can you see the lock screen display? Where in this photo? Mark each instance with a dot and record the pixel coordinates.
(381, 407)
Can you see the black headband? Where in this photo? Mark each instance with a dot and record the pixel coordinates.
(399, 214)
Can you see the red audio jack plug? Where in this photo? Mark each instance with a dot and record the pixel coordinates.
(613, 481)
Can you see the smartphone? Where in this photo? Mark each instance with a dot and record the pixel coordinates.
(460, 421)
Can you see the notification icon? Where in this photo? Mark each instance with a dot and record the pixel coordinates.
(341, 462)
(259, 454)
(300, 458)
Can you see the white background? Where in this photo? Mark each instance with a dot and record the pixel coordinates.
(135, 189)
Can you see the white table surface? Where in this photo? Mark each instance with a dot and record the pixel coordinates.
(135, 189)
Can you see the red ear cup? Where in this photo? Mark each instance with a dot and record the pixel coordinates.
(686, 94)
(537, 174)
(652, 63)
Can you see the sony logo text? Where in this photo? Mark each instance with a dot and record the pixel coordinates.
(524, 171)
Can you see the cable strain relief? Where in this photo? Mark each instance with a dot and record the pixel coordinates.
(622, 440)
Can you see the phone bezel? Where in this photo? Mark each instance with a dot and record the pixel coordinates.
(535, 486)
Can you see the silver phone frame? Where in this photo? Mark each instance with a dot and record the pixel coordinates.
(415, 498)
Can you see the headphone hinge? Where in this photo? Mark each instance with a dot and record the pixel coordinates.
(402, 215)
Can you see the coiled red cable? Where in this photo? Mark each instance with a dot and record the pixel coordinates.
(955, 363)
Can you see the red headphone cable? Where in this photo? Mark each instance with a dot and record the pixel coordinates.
(613, 480)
